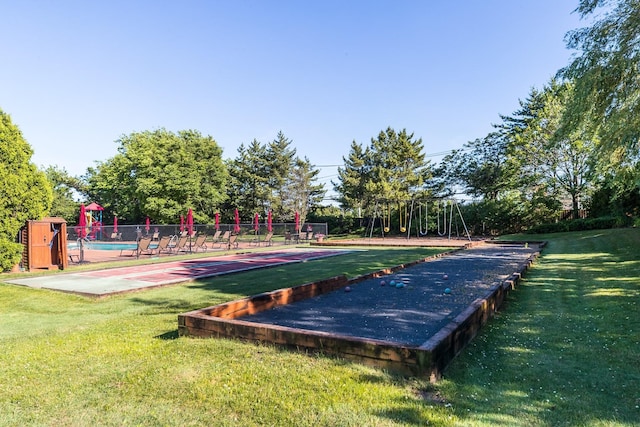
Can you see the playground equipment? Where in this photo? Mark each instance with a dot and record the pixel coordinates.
(446, 215)
(93, 212)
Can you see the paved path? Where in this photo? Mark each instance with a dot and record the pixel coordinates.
(126, 279)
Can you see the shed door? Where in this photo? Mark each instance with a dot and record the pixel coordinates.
(39, 241)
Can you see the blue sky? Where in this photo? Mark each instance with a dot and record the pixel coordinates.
(77, 75)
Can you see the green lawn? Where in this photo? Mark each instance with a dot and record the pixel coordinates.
(564, 351)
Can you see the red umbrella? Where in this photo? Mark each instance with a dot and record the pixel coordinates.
(147, 224)
(297, 222)
(269, 222)
(236, 228)
(82, 222)
(256, 222)
(115, 224)
(217, 220)
(190, 221)
(181, 223)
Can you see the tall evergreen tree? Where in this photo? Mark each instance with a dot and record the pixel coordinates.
(302, 190)
(398, 167)
(249, 180)
(280, 157)
(352, 179)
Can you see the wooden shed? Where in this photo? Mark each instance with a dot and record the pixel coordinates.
(45, 244)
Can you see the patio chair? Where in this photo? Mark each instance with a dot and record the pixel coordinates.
(143, 248)
(224, 239)
(233, 241)
(164, 245)
(200, 243)
(216, 236)
(182, 244)
(116, 236)
(266, 241)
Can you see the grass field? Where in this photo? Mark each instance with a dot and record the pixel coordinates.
(564, 350)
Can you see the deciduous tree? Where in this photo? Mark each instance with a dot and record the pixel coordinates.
(25, 192)
(161, 174)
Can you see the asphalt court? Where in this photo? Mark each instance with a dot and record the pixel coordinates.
(126, 279)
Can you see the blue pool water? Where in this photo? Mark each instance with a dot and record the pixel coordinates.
(104, 246)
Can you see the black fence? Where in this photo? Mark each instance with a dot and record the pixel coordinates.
(131, 233)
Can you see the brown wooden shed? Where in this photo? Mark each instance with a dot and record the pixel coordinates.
(45, 244)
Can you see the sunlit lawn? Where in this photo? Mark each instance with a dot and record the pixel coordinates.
(564, 351)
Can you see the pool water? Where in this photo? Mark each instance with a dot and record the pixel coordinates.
(104, 246)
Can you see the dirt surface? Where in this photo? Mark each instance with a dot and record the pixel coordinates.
(433, 293)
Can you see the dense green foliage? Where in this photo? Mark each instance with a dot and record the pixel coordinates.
(161, 175)
(391, 169)
(25, 193)
(572, 144)
(605, 72)
(272, 177)
(64, 186)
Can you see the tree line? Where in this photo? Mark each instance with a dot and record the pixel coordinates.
(573, 141)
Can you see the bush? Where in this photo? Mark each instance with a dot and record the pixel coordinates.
(582, 224)
(11, 254)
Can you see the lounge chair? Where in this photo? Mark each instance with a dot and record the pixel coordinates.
(116, 236)
(142, 248)
(216, 236)
(182, 244)
(224, 239)
(266, 241)
(164, 245)
(200, 243)
(233, 241)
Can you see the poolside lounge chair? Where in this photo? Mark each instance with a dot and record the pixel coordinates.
(216, 236)
(116, 236)
(142, 248)
(200, 243)
(182, 244)
(266, 241)
(164, 245)
(224, 239)
(233, 241)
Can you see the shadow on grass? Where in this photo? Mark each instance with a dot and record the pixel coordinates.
(168, 336)
(561, 351)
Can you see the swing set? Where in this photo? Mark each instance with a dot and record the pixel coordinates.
(446, 214)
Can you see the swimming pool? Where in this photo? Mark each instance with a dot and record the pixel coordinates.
(104, 246)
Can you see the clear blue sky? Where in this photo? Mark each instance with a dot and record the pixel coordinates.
(76, 75)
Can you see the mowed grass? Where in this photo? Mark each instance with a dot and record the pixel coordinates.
(563, 351)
